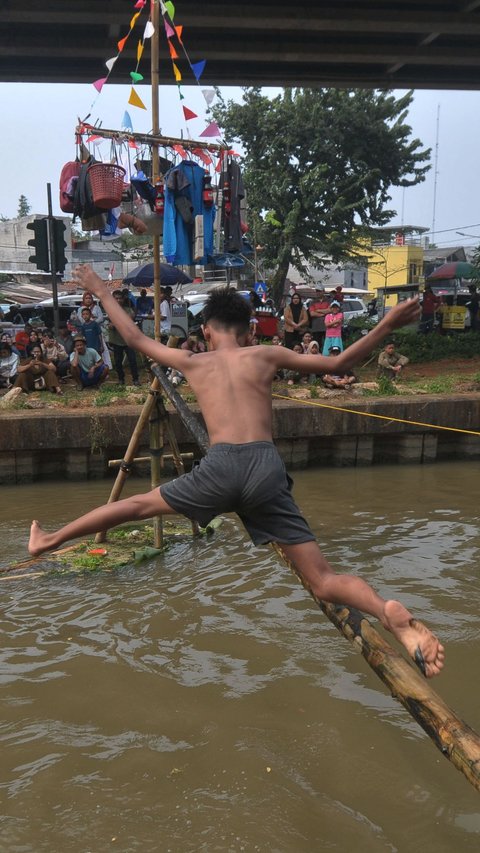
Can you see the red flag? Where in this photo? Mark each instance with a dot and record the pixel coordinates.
(203, 156)
(180, 150)
(188, 114)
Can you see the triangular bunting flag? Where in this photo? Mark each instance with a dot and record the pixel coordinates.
(188, 114)
(111, 62)
(209, 95)
(135, 100)
(170, 9)
(149, 30)
(180, 150)
(182, 97)
(127, 121)
(140, 4)
(169, 30)
(218, 167)
(179, 31)
(198, 68)
(136, 76)
(132, 143)
(132, 22)
(139, 50)
(99, 84)
(173, 52)
(212, 130)
(163, 7)
(177, 72)
(92, 139)
(203, 156)
(121, 44)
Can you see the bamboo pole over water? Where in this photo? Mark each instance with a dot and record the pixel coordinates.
(451, 735)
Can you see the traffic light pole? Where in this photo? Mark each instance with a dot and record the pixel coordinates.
(53, 260)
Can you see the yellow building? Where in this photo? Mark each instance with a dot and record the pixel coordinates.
(395, 257)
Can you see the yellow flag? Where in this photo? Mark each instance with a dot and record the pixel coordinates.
(139, 50)
(132, 22)
(176, 71)
(135, 100)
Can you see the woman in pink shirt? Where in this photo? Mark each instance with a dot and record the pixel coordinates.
(333, 329)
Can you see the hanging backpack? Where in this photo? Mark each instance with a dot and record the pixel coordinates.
(68, 181)
(83, 204)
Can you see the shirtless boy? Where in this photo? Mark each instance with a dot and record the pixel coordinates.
(242, 471)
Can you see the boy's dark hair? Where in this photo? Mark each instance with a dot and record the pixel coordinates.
(228, 309)
(5, 346)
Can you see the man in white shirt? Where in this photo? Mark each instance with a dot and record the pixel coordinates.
(165, 312)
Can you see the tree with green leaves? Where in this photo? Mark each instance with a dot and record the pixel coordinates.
(24, 207)
(318, 165)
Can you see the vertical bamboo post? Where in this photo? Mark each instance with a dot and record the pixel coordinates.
(156, 429)
(156, 451)
(131, 451)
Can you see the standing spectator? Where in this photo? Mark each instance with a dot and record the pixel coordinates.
(129, 298)
(91, 331)
(430, 303)
(87, 302)
(9, 363)
(473, 307)
(165, 313)
(144, 306)
(38, 375)
(391, 363)
(86, 365)
(333, 329)
(120, 348)
(318, 310)
(296, 321)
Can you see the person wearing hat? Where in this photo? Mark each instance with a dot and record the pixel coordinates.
(318, 310)
(86, 365)
(336, 379)
(333, 329)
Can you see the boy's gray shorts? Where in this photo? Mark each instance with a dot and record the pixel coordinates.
(249, 479)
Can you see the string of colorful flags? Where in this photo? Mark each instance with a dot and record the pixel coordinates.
(173, 32)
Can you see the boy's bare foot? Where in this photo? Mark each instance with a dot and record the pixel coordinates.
(423, 647)
(39, 540)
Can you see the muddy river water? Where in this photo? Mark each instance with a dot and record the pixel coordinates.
(202, 702)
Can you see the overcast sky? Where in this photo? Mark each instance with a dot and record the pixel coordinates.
(37, 138)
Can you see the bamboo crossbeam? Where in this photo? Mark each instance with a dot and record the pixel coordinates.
(147, 138)
(454, 738)
(167, 457)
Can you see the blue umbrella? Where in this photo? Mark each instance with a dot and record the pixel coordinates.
(142, 276)
(228, 261)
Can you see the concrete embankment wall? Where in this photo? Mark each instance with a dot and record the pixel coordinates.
(75, 446)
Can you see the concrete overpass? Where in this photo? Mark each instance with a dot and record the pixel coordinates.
(382, 43)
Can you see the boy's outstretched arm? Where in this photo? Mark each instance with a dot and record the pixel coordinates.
(402, 314)
(86, 278)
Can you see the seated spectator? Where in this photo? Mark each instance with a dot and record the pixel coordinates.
(277, 341)
(38, 375)
(333, 379)
(86, 365)
(22, 339)
(307, 339)
(7, 339)
(293, 377)
(391, 363)
(9, 363)
(65, 338)
(33, 341)
(91, 330)
(56, 354)
(313, 349)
